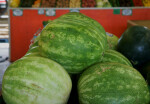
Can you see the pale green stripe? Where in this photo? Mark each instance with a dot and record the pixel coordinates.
(26, 81)
(88, 28)
(120, 58)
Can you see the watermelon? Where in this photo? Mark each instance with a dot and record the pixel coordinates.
(36, 80)
(112, 83)
(115, 56)
(134, 44)
(73, 40)
(112, 40)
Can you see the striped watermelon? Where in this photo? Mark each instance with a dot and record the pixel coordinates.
(73, 40)
(112, 83)
(115, 56)
(112, 40)
(36, 80)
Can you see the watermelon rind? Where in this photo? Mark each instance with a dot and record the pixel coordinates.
(112, 40)
(112, 83)
(115, 56)
(36, 80)
(73, 40)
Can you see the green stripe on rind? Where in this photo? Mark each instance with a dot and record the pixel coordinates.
(81, 18)
(77, 24)
(94, 24)
(36, 80)
(115, 56)
(112, 83)
(74, 45)
(74, 30)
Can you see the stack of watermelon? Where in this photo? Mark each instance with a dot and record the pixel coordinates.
(135, 45)
(73, 61)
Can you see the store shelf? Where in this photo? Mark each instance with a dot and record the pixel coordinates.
(4, 26)
(138, 7)
(4, 16)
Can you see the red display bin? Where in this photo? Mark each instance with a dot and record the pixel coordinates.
(23, 28)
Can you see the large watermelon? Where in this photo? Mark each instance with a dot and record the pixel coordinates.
(135, 45)
(115, 56)
(36, 80)
(73, 40)
(112, 83)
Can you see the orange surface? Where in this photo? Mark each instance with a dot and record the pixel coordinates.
(22, 28)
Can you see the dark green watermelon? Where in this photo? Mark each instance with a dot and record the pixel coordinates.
(135, 45)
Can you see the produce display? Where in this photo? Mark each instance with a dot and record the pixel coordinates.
(88, 3)
(26, 3)
(146, 3)
(62, 3)
(135, 45)
(75, 3)
(125, 3)
(48, 3)
(114, 3)
(14, 3)
(137, 3)
(112, 83)
(78, 3)
(103, 3)
(73, 60)
(36, 4)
